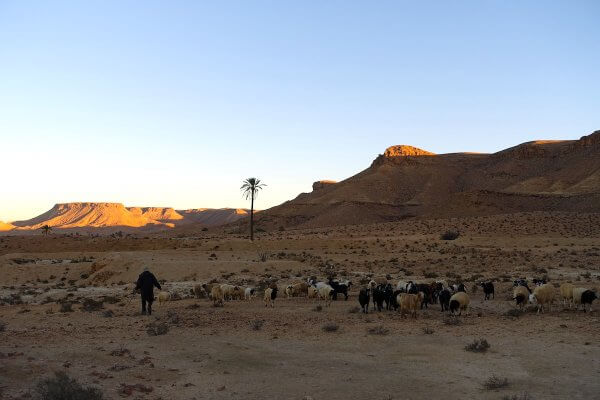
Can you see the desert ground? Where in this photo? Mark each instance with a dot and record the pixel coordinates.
(302, 349)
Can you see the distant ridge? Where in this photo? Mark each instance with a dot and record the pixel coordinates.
(89, 216)
(407, 182)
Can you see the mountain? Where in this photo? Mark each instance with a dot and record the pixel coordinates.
(5, 227)
(115, 216)
(213, 216)
(406, 182)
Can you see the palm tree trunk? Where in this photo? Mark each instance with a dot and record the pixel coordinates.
(252, 217)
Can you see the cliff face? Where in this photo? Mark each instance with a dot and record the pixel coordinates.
(90, 216)
(409, 182)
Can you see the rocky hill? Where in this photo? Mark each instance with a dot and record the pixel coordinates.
(406, 182)
(91, 216)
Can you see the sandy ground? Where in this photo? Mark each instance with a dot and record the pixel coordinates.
(223, 352)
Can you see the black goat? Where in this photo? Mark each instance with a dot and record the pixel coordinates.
(444, 298)
(363, 299)
(488, 289)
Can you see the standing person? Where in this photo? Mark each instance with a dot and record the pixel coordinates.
(145, 283)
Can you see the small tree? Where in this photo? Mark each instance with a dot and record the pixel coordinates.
(46, 229)
(250, 188)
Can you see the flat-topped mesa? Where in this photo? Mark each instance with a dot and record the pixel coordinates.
(318, 185)
(403, 150)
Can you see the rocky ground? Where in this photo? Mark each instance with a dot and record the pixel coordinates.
(300, 350)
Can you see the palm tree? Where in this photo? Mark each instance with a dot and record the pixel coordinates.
(250, 188)
(46, 229)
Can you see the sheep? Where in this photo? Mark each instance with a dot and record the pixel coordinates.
(566, 293)
(227, 291)
(372, 284)
(522, 282)
(312, 293)
(363, 299)
(163, 297)
(326, 293)
(539, 282)
(542, 295)
(409, 303)
(249, 292)
(444, 298)
(237, 293)
(578, 297)
(270, 295)
(296, 289)
(520, 295)
(217, 295)
(459, 302)
(401, 285)
(199, 291)
(488, 289)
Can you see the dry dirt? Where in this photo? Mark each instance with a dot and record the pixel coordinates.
(223, 352)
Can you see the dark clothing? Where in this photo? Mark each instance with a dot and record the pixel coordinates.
(145, 283)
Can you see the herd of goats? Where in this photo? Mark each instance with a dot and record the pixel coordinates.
(407, 296)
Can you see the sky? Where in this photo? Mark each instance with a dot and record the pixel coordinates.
(174, 103)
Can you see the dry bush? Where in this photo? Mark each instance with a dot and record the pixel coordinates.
(522, 396)
(330, 327)
(263, 256)
(318, 308)
(90, 305)
(354, 310)
(478, 346)
(157, 328)
(2, 326)
(427, 330)
(513, 312)
(494, 383)
(378, 330)
(451, 320)
(62, 387)
(257, 324)
(450, 235)
(66, 307)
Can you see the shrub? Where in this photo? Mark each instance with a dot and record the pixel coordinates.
(513, 312)
(108, 314)
(478, 346)
(494, 383)
(450, 320)
(450, 235)
(330, 327)
(90, 305)
(2, 326)
(157, 328)
(257, 324)
(378, 330)
(62, 387)
(66, 307)
(427, 330)
(263, 256)
(430, 274)
(522, 396)
(354, 310)
(318, 308)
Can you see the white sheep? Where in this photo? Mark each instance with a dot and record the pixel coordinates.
(312, 293)
(325, 293)
(566, 293)
(163, 297)
(583, 296)
(228, 291)
(542, 295)
(269, 297)
(249, 292)
(459, 302)
(216, 295)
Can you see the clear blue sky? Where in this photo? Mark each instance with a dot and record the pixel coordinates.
(173, 103)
